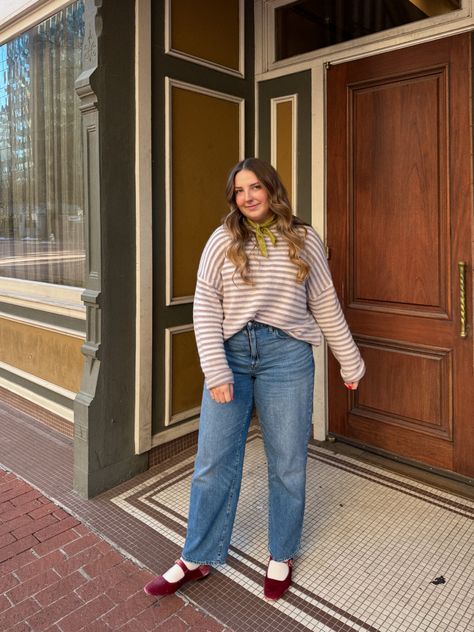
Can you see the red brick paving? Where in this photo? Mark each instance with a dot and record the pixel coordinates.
(58, 576)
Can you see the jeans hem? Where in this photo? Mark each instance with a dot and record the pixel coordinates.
(206, 562)
(284, 559)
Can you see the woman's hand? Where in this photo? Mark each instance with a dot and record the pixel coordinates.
(352, 386)
(222, 394)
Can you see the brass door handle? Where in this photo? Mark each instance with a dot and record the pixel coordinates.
(462, 297)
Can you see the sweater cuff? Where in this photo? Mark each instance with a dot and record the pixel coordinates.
(218, 379)
(356, 376)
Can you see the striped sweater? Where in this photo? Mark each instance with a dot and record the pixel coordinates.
(223, 303)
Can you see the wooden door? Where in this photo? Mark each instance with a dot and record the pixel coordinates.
(399, 221)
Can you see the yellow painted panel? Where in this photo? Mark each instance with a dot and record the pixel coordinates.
(208, 29)
(187, 379)
(205, 146)
(284, 144)
(51, 356)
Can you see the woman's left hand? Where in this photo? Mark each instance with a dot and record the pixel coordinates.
(352, 386)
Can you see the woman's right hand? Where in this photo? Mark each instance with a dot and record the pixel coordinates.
(352, 386)
(222, 394)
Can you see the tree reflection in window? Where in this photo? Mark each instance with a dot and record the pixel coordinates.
(41, 183)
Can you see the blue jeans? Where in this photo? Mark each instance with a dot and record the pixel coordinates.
(276, 373)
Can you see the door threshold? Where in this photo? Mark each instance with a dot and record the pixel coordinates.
(441, 479)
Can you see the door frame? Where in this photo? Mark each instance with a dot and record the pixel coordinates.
(318, 62)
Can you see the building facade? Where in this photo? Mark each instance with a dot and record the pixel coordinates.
(119, 123)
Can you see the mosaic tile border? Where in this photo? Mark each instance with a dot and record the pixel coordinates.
(301, 606)
(30, 449)
(394, 481)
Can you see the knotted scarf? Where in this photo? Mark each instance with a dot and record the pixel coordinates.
(260, 231)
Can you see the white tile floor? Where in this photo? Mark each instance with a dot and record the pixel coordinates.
(373, 543)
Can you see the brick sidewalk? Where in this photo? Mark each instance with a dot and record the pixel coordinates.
(58, 576)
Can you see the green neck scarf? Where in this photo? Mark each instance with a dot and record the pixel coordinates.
(260, 231)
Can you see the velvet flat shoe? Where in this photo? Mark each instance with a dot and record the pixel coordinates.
(274, 588)
(159, 587)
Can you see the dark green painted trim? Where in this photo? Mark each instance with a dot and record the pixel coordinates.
(112, 442)
(45, 318)
(118, 471)
(104, 409)
(300, 84)
(48, 394)
(164, 65)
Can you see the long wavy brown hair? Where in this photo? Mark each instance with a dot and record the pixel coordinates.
(291, 228)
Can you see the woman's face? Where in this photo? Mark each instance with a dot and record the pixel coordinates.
(251, 197)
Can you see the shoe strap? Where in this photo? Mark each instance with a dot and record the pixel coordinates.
(182, 565)
(289, 562)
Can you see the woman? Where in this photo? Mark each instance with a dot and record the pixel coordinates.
(264, 294)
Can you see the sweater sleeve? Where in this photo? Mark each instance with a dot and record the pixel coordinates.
(326, 310)
(208, 313)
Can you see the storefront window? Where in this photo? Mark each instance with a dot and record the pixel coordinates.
(41, 184)
(307, 25)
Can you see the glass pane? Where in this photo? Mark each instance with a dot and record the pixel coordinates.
(307, 25)
(41, 193)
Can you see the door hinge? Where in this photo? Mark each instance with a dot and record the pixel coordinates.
(328, 253)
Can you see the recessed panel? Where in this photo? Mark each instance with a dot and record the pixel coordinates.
(400, 229)
(284, 144)
(205, 145)
(186, 374)
(208, 30)
(408, 386)
(51, 356)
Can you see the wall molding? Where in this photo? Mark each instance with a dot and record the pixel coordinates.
(174, 432)
(191, 413)
(144, 235)
(293, 99)
(47, 297)
(57, 329)
(169, 85)
(32, 394)
(169, 50)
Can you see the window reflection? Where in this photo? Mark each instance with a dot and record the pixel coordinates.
(308, 25)
(41, 185)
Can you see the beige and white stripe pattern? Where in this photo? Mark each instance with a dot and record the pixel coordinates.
(224, 304)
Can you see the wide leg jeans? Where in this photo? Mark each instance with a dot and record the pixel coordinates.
(274, 372)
